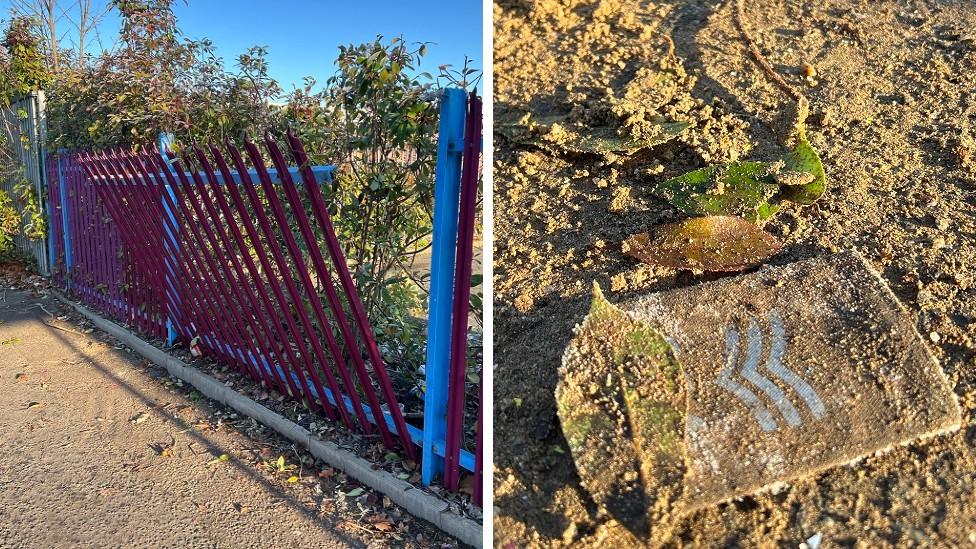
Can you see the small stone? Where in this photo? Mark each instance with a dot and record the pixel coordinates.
(569, 534)
(935, 337)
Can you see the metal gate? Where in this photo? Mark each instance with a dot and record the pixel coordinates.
(26, 123)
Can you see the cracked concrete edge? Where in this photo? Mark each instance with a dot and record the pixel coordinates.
(412, 499)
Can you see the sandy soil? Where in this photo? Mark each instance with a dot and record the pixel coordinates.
(99, 448)
(893, 107)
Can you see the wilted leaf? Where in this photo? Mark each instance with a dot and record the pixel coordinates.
(558, 135)
(621, 403)
(740, 188)
(293, 479)
(714, 243)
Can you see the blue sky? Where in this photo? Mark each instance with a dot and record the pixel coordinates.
(303, 35)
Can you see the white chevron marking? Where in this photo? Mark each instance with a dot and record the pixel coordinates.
(750, 372)
(724, 380)
(775, 365)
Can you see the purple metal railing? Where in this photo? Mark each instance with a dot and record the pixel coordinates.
(223, 252)
(231, 257)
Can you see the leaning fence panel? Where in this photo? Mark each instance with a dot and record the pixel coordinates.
(236, 257)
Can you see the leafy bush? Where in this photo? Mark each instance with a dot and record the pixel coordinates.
(9, 222)
(376, 119)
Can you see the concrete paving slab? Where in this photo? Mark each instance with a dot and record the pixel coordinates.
(795, 369)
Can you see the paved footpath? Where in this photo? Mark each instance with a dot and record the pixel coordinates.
(95, 452)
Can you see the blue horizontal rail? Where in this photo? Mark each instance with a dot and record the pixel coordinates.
(323, 174)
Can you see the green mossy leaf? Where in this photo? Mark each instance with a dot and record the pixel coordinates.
(803, 159)
(742, 189)
(621, 401)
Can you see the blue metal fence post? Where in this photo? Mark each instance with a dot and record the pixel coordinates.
(170, 246)
(447, 188)
(64, 218)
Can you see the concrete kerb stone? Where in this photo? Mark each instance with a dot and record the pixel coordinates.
(415, 501)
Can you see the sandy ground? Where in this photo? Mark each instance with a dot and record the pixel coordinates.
(892, 116)
(100, 449)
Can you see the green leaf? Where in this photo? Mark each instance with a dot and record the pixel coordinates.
(355, 493)
(621, 403)
(803, 159)
(713, 243)
(742, 189)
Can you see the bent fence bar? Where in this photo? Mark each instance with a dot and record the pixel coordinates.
(223, 252)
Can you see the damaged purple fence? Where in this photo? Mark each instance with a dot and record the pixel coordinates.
(231, 252)
(228, 249)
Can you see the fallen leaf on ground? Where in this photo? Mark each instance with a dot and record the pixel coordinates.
(355, 492)
(740, 188)
(558, 134)
(714, 243)
(803, 160)
(621, 404)
(33, 404)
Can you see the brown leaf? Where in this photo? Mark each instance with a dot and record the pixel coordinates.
(714, 243)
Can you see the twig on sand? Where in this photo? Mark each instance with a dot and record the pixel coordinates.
(802, 104)
(43, 309)
(757, 55)
(64, 329)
